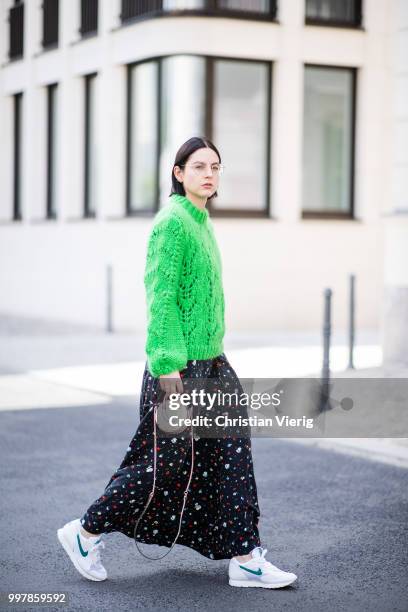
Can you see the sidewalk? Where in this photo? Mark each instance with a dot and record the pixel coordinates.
(51, 366)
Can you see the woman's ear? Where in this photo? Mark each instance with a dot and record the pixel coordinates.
(177, 173)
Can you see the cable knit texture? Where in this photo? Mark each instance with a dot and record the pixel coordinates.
(183, 284)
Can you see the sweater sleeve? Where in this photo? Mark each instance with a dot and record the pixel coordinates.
(165, 345)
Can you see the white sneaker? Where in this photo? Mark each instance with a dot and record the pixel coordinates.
(258, 572)
(83, 552)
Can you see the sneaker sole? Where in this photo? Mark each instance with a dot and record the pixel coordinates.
(66, 547)
(263, 585)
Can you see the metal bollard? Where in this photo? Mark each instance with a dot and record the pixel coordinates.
(109, 298)
(351, 320)
(325, 386)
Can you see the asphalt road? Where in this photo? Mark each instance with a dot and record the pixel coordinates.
(339, 522)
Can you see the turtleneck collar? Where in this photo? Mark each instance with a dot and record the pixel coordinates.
(199, 214)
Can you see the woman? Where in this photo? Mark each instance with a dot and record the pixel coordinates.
(185, 310)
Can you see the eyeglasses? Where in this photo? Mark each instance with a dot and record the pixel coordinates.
(200, 168)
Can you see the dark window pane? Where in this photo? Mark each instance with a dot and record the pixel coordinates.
(17, 161)
(89, 16)
(347, 11)
(252, 6)
(134, 8)
(16, 19)
(50, 22)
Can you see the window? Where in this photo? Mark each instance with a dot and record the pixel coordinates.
(17, 157)
(89, 17)
(172, 5)
(251, 6)
(261, 9)
(328, 141)
(182, 109)
(142, 134)
(173, 98)
(334, 12)
(52, 150)
(91, 181)
(16, 30)
(50, 23)
(135, 8)
(241, 114)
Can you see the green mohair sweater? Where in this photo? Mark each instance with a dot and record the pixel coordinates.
(183, 284)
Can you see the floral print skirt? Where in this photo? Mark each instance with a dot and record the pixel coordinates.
(221, 513)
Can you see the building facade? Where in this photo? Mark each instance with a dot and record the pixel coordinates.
(97, 96)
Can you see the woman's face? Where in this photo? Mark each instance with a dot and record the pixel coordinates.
(199, 175)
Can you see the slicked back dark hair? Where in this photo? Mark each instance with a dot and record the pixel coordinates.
(182, 155)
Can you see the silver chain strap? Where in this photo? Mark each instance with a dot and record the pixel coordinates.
(151, 494)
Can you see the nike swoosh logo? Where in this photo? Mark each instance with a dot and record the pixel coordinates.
(83, 552)
(257, 572)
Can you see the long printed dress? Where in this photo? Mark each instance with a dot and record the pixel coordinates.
(221, 513)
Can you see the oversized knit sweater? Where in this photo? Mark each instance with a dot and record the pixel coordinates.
(183, 284)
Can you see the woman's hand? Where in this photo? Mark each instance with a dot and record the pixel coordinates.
(171, 383)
